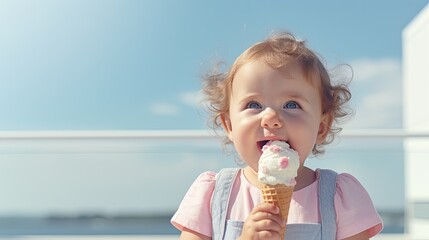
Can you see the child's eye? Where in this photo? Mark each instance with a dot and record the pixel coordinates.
(291, 105)
(254, 105)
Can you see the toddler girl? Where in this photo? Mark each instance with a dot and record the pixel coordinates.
(277, 89)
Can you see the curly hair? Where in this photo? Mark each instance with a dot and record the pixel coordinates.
(277, 51)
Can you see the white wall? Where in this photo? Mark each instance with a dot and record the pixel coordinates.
(416, 118)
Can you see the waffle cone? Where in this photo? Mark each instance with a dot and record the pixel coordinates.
(279, 195)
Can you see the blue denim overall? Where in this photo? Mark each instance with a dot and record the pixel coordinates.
(227, 229)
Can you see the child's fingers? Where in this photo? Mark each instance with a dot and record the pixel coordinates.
(269, 221)
(266, 207)
(263, 222)
(268, 225)
(267, 235)
(270, 212)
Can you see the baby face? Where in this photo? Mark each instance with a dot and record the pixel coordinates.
(274, 104)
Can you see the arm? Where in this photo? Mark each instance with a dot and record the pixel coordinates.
(360, 236)
(188, 234)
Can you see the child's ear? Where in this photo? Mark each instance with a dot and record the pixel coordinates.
(324, 128)
(226, 124)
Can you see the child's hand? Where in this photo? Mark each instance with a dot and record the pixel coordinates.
(263, 222)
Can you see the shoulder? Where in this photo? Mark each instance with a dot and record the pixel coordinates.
(206, 177)
(354, 208)
(348, 184)
(206, 181)
(203, 184)
(351, 194)
(211, 177)
(202, 187)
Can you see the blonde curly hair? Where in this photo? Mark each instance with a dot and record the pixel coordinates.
(278, 50)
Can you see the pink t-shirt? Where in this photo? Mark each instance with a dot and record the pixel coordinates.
(354, 208)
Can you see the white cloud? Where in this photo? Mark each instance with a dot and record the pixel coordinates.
(378, 110)
(378, 101)
(192, 98)
(160, 108)
(366, 70)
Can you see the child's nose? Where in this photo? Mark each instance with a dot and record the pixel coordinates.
(271, 119)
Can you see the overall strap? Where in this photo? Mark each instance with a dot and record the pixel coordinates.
(219, 203)
(327, 189)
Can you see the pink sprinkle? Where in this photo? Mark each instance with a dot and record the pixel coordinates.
(264, 169)
(283, 162)
(264, 148)
(275, 149)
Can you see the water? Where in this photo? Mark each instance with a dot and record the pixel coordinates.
(87, 225)
(126, 225)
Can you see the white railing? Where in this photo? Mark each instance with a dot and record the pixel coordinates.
(188, 134)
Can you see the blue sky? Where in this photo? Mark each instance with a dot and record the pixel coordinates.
(108, 65)
(135, 65)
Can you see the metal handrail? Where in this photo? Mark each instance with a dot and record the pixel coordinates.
(189, 134)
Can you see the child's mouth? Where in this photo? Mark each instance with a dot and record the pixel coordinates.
(261, 144)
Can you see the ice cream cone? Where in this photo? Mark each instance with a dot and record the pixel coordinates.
(279, 195)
